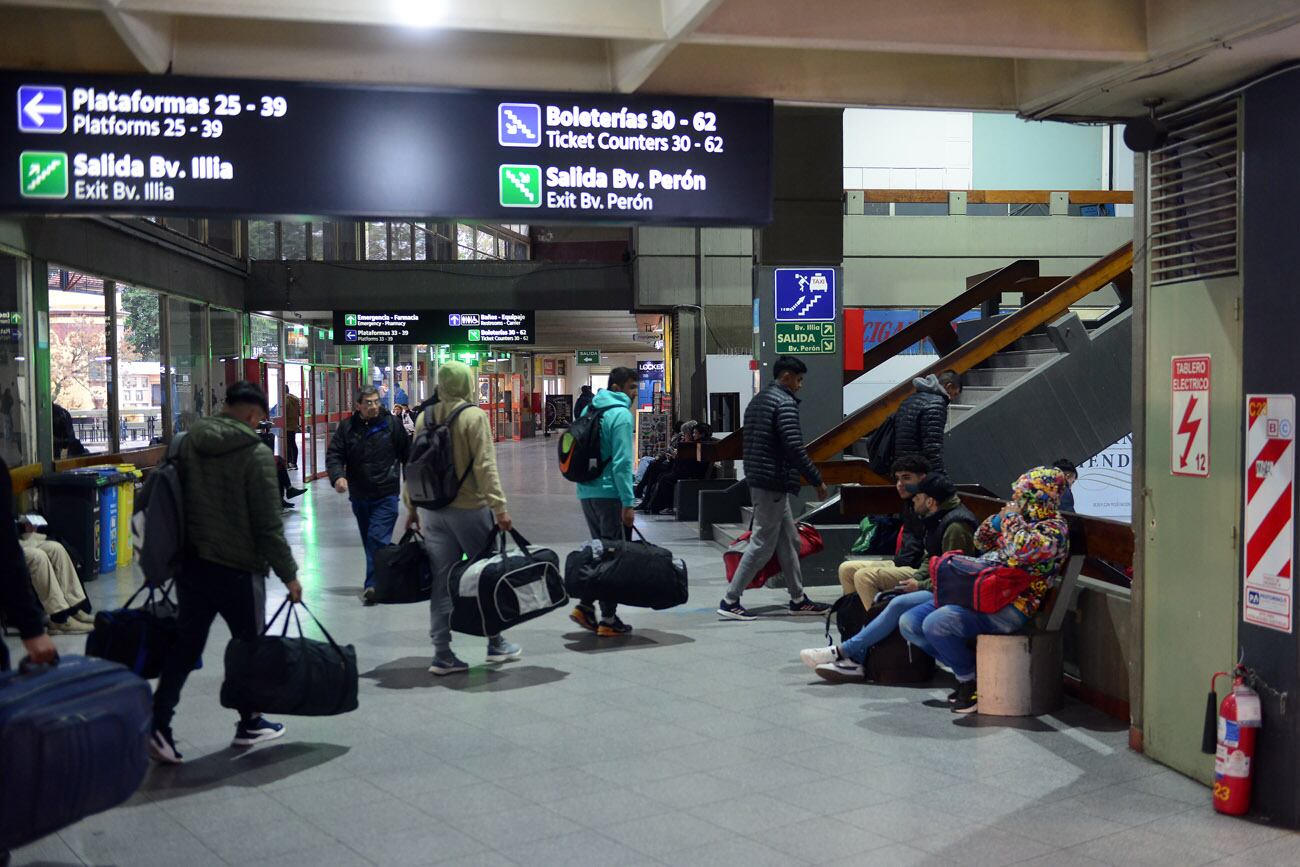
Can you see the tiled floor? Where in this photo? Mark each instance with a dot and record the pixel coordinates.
(691, 742)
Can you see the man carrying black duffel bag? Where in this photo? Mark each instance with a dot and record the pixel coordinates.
(233, 532)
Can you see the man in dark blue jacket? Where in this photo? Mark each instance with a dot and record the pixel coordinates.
(921, 422)
(775, 459)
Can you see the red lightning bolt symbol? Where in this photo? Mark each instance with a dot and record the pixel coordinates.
(1188, 426)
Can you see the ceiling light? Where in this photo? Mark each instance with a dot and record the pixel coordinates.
(419, 13)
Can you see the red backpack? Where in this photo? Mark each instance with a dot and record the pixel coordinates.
(972, 583)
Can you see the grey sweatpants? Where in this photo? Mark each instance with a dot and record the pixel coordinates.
(448, 533)
(775, 532)
(605, 521)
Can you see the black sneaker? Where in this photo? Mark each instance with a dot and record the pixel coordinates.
(368, 596)
(612, 628)
(294, 492)
(967, 700)
(162, 748)
(584, 616)
(952, 696)
(806, 606)
(254, 731)
(729, 610)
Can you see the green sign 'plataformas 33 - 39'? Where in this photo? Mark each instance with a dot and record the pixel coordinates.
(805, 338)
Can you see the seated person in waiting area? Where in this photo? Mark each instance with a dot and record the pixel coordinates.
(869, 577)
(684, 466)
(1029, 534)
(949, 526)
(55, 580)
(662, 463)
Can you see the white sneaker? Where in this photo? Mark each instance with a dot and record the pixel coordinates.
(842, 671)
(815, 656)
(69, 627)
(84, 617)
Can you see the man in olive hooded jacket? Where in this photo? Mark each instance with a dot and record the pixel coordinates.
(233, 533)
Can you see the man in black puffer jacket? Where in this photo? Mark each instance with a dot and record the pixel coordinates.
(922, 420)
(775, 459)
(365, 461)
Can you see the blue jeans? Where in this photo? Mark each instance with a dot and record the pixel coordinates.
(943, 633)
(375, 519)
(886, 621)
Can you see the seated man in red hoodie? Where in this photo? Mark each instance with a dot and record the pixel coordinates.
(1029, 535)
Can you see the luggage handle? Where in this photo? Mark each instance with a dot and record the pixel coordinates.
(410, 534)
(284, 633)
(164, 590)
(497, 541)
(26, 666)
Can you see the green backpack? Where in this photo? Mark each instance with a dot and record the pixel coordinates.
(866, 535)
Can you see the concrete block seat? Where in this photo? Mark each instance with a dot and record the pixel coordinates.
(686, 495)
(1022, 674)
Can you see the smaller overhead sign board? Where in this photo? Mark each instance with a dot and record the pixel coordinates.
(452, 327)
(589, 356)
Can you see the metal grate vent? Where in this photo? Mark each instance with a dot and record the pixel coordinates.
(1195, 190)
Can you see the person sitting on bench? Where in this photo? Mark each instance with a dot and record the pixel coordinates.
(949, 526)
(932, 529)
(1029, 534)
(684, 466)
(661, 464)
(55, 580)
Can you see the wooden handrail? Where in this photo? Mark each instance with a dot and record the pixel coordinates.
(937, 324)
(996, 197)
(1103, 539)
(141, 458)
(1043, 310)
(24, 477)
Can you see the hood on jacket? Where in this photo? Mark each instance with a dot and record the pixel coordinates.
(1039, 493)
(221, 434)
(609, 397)
(456, 382)
(929, 384)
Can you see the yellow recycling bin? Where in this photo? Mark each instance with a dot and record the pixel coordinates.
(125, 508)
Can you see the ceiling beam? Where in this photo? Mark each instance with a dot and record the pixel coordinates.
(631, 63)
(150, 36)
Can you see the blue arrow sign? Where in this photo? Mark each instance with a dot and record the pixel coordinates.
(42, 109)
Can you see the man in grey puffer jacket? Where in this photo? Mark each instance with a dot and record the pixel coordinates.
(775, 459)
(922, 420)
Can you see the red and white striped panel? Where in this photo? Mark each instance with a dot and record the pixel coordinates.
(1270, 511)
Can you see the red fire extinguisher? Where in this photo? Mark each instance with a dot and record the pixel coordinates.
(1231, 737)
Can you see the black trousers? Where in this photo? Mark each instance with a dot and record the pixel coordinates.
(291, 447)
(203, 591)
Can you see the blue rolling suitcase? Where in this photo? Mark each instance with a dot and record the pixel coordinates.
(73, 742)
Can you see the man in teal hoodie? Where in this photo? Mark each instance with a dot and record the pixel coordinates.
(608, 502)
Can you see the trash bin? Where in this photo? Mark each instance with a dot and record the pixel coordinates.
(125, 509)
(108, 517)
(71, 503)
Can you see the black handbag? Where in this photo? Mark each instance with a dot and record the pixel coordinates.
(402, 572)
(632, 572)
(139, 638)
(501, 588)
(295, 676)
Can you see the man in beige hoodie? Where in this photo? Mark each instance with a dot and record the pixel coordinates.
(463, 527)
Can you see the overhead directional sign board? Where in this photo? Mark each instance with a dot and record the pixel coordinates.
(174, 144)
(811, 338)
(451, 327)
(805, 295)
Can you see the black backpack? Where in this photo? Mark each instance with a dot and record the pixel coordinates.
(580, 459)
(880, 447)
(431, 471)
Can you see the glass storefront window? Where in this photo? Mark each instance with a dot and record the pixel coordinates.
(487, 245)
(227, 337)
(261, 239)
(79, 363)
(400, 241)
(188, 376)
(377, 241)
(265, 342)
(139, 367)
(464, 241)
(317, 231)
(293, 240)
(16, 417)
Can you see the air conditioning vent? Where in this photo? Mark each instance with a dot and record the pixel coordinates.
(1195, 190)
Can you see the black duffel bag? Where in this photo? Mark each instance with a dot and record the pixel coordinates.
(402, 572)
(891, 661)
(502, 587)
(293, 676)
(632, 572)
(139, 638)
